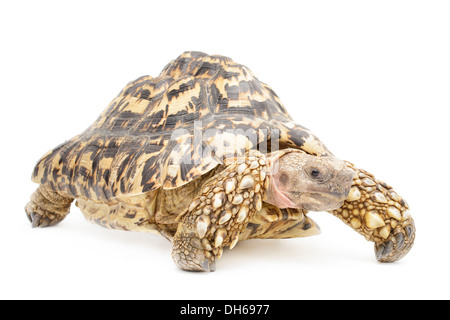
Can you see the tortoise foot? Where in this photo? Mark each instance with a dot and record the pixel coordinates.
(40, 217)
(376, 211)
(189, 254)
(47, 208)
(397, 245)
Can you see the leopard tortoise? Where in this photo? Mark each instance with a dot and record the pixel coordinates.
(206, 155)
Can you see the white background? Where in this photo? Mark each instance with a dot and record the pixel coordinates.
(370, 78)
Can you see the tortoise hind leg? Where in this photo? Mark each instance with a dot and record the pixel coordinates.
(47, 207)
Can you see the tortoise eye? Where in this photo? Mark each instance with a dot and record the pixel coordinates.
(315, 174)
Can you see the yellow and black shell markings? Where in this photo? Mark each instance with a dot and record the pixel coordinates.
(168, 130)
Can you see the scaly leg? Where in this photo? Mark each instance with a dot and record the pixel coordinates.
(377, 212)
(221, 210)
(47, 207)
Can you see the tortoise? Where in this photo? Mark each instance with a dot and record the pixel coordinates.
(206, 155)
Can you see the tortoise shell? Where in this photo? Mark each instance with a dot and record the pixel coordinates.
(146, 138)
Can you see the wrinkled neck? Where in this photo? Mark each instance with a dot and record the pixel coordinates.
(275, 196)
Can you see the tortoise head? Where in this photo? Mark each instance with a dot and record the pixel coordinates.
(300, 180)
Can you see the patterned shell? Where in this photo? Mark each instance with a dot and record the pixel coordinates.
(168, 130)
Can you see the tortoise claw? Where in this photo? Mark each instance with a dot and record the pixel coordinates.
(383, 250)
(400, 240)
(208, 265)
(35, 219)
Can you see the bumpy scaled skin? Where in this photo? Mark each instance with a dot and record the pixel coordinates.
(377, 212)
(221, 211)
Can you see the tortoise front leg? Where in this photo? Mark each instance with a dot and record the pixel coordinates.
(221, 210)
(377, 212)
